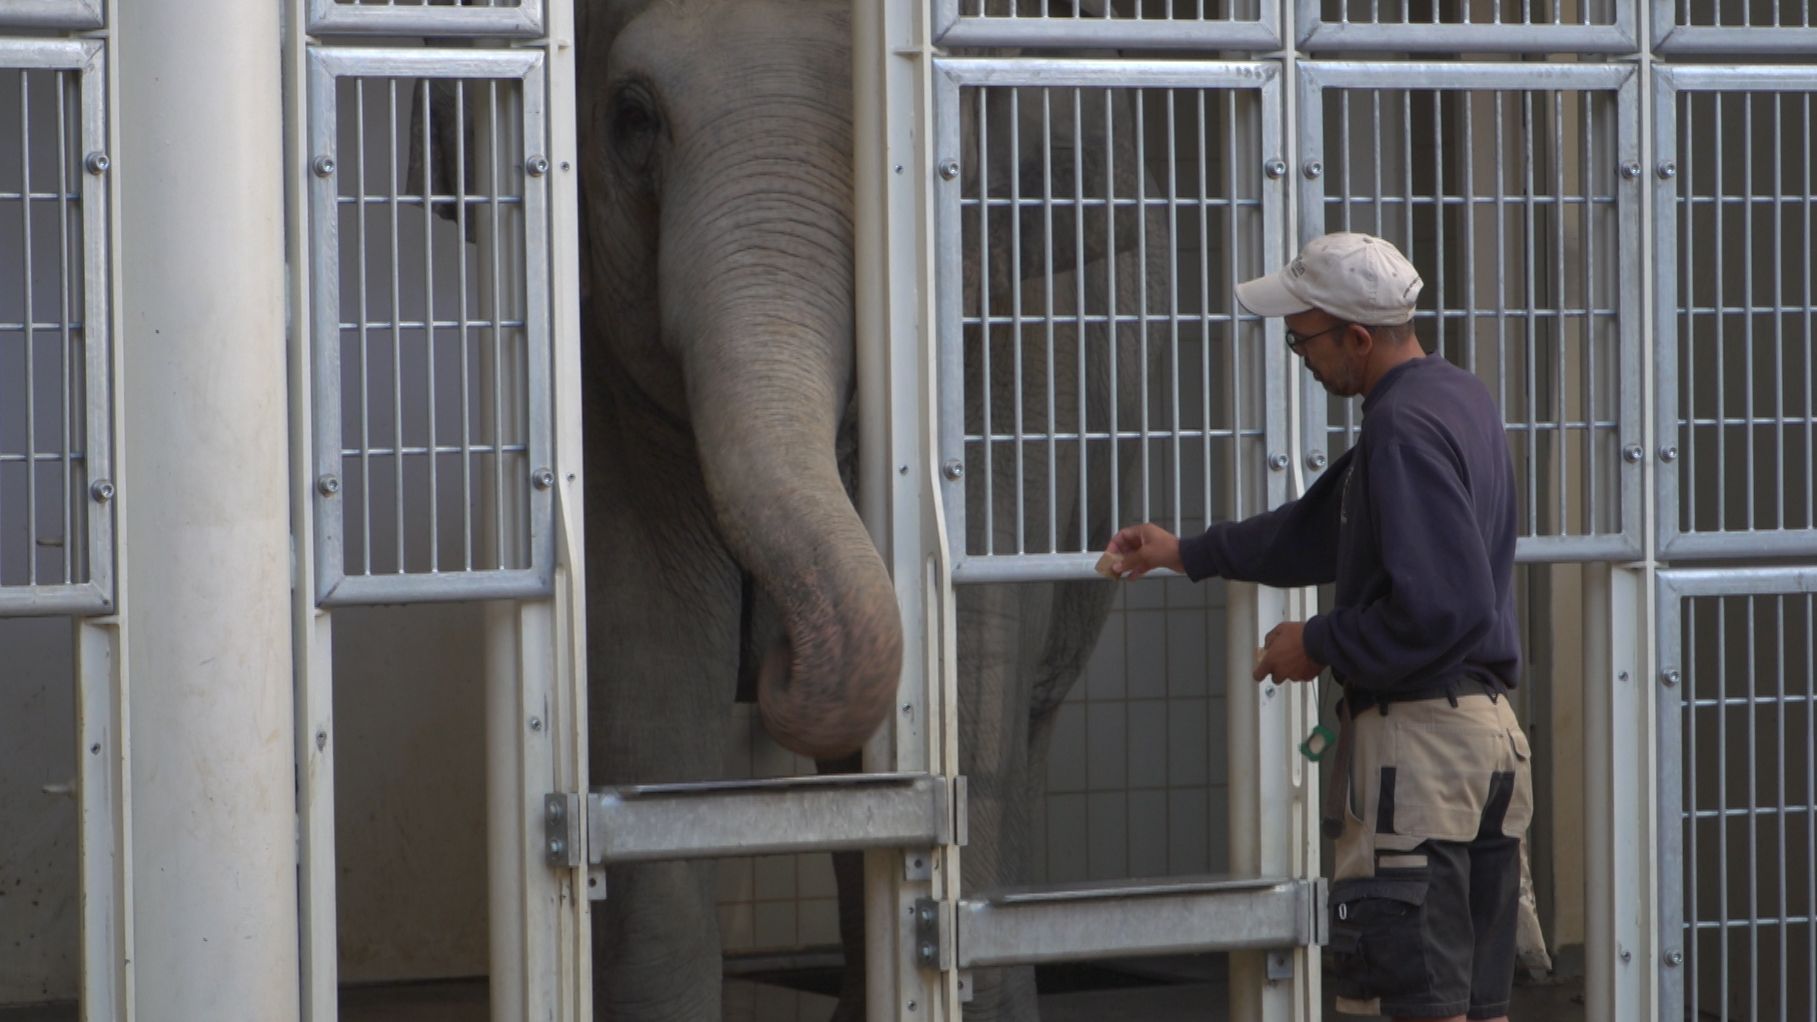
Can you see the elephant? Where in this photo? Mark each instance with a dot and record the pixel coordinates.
(724, 549)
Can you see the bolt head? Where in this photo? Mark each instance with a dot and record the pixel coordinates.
(537, 166)
(1275, 168)
(102, 491)
(949, 169)
(1667, 170)
(1313, 168)
(1668, 453)
(542, 478)
(557, 847)
(1278, 462)
(1316, 461)
(329, 484)
(536, 723)
(1632, 454)
(97, 162)
(1670, 678)
(953, 469)
(1630, 169)
(1674, 958)
(324, 165)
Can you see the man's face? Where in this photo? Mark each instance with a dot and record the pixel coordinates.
(1331, 349)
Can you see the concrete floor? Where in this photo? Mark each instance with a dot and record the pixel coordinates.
(1119, 997)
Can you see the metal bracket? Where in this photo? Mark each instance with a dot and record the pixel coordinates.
(562, 836)
(1280, 966)
(933, 929)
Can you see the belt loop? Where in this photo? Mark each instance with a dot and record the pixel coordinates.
(1451, 693)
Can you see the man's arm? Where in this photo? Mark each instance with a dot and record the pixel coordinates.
(1441, 594)
(1293, 545)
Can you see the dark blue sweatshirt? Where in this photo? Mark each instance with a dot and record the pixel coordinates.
(1415, 524)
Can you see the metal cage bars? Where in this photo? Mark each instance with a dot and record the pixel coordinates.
(476, 461)
(1539, 192)
(1737, 798)
(56, 377)
(490, 18)
(1736, 310)
(1067, 373)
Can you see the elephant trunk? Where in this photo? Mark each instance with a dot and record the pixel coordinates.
(765, 335)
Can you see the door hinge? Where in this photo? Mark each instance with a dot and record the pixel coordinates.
(564, 830)
(933, 934)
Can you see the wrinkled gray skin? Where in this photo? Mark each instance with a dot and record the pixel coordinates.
(722, 540)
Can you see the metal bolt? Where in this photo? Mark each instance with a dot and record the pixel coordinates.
(557, 811)
(321, 740)
(1670, 678)
(1312, 168)
(101, 490)
(1316, 461)
(1667, 170)
(926, 951)
(1275, 168)
(1668, 453)
(557, 847)
(1674, 958)
(1630, 169)
(1278, 462)
(536, 723)
(1622, 676)
(1632, 454)
(329, 484)
(1626, 956)
(949, 169)
(927, 914)
(324, 165)
(97, 162)
(542, 478)
(537, 166)
(911, 1005)
(953, 469)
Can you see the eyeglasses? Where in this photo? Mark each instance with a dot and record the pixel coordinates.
(1296, 343)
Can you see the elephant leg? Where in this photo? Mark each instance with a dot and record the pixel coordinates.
(663, 656)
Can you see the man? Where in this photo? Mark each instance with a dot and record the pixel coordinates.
(1416, 525)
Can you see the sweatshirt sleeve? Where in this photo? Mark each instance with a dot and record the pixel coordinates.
(1293, 545)
(1441, 594)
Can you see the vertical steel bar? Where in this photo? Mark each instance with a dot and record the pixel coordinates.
(1232, 274)
(1779, 452)
(1690, 875)
(986, 328)
(464, 315)
(1173, 299)
(66, 94)
(1589, 333)
(1347, 195)
(1015, 283)
(1114, 315)
(1779, 714)
(1719, 193)
(1687, 342)
(1469, 191)
(1810, 776)
(1047, 297)
(31, 330)
(1560, 392)
(1501, 271)
(1750, 520)
(1810, 410)
(1206, 348)
(1440, 155)
(1141, 175)
(1528, 137)
(1722, 794)
(1407, 198)
(434, 497)
(1753, 814)
(1082, 331)
(364, 326)
(495, 271)
(392, 141)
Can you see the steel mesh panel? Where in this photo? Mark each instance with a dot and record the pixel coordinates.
(1742, 13)
(1745, 425)
(1474, 26)
(1742, 805)
(54, 553)
(436, 377)
(1106, 375)
(1201, 24)
(1509, 202)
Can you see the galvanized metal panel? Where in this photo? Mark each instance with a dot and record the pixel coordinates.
(1416, 26)
(1532, 170)
(1185, 916)
(1144, 169)
(1736, 310)
(492, 18)
(1784, 27)
(1168, 25)
(67, 14)
(56, 377)
(482, 470)
(1738, 792)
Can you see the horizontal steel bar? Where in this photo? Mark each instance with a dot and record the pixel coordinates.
(1028, 568)
(375, 62)
(1348, 74)
(1153, 436)
(1109, 33)
(1130, 74)
(56, 14)
(1080, 922)
(1723, 814)
(793, 814)
(47, 54)
(1699, 39)
(1575, 549)
(1794, 580)
(1758, 543)
(85, 599)
(1429, 38)
(326, 16)
(422, 587)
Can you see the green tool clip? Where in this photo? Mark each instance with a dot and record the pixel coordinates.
(1318, 742)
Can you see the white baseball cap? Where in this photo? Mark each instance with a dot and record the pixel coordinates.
(1355, 277)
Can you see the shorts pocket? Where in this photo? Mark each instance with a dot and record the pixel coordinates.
(1442, 779)
(1377, 944)
(1520, 801)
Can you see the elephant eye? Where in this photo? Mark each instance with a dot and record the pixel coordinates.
(634, 124)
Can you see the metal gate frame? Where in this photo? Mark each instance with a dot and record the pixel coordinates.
(1093, 30)
(341, 17)
(1621, 80)
(67, 14)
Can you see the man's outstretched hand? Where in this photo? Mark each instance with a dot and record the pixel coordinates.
(1138, 550)
(1283, 655)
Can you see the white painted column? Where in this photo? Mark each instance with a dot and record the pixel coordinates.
(205, 521)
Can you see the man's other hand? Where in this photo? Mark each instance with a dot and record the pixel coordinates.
(1139, 549)
(1283, 655)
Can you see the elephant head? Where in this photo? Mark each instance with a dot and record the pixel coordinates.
(716, 173)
